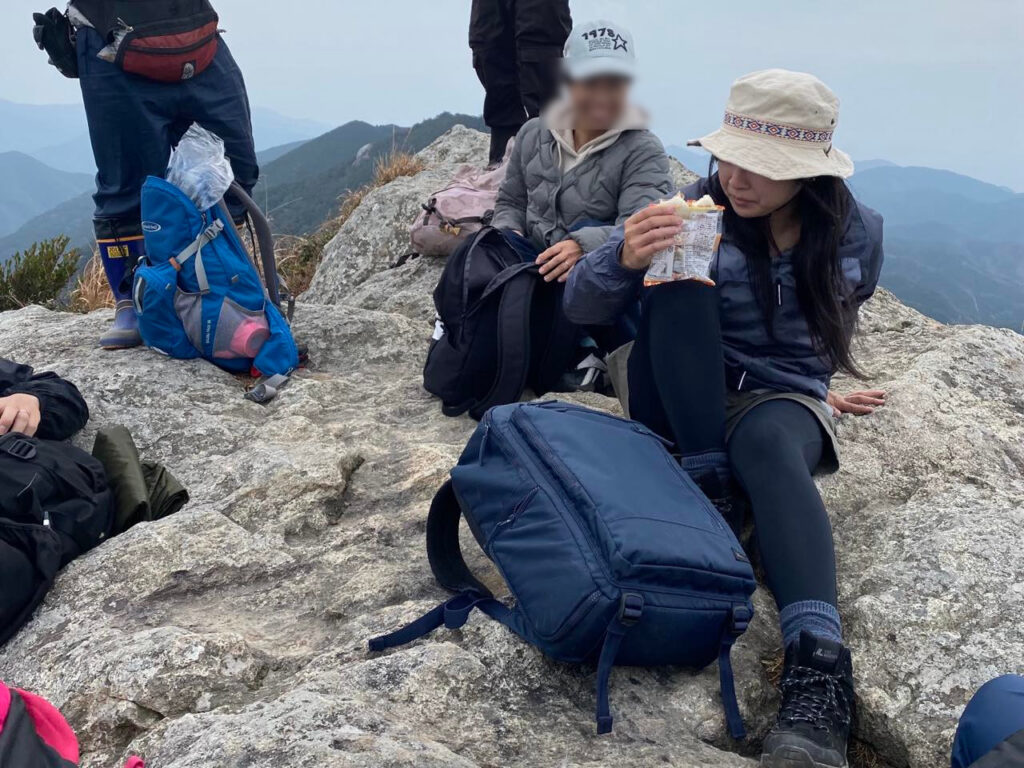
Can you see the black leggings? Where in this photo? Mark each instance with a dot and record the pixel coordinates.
(677, 388)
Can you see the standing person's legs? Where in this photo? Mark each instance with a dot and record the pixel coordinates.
(129, 126)
(541, 28)
(994, 714)
(774, 450)
(218, 101)
(492, 39)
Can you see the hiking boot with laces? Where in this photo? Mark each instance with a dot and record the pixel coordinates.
(817, 706)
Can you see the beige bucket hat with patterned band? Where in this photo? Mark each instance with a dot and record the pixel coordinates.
(779, 124)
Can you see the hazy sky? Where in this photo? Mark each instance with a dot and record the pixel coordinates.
(925, 82)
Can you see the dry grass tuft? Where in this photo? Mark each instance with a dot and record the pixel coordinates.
(298, 257)
(92, 291)
(863, 755)
(394, 164)
(773, 667)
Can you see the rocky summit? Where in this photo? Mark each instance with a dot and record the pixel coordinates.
(234, 633)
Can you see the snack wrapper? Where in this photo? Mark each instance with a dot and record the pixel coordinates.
(696, 245)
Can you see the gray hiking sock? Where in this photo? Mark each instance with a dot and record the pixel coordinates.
(817, 617)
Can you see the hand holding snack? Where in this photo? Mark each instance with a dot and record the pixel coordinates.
(692, 250)
(648, 232)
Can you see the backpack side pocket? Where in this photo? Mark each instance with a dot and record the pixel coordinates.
(163, 310)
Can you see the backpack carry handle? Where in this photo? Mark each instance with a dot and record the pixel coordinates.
(264, 243)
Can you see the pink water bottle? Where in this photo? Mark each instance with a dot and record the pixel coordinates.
(248, 338)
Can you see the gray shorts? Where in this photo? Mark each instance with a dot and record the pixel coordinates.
(738, 405)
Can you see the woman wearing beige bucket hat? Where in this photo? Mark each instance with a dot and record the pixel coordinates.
(738, 373)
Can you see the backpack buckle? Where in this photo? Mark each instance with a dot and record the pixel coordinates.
(631, 608)
(740, 619)
(19, 447)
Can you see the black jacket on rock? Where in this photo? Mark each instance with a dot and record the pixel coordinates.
(62, 407)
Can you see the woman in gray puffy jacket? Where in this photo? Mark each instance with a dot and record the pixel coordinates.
(588, 162)
(737, 373)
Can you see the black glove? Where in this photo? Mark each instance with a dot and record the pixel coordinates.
(54, 34)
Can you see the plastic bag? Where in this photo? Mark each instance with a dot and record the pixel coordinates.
(199, 168)
(109, 53)
(695, 247)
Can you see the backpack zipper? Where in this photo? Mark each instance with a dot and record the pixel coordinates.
(509, 521)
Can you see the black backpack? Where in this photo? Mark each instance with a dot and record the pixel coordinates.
(55, 505)
(500, 329)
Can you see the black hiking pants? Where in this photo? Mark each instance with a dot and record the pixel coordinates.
(517, 45)
(677, 388)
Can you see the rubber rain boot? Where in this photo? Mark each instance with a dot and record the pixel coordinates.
(120, 254)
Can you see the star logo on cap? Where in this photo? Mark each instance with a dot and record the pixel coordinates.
(620, 43)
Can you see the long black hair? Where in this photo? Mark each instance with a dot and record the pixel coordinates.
(822, 204)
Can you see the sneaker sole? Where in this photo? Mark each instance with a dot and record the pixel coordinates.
(794, 757)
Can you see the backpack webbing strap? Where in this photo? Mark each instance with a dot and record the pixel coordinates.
(195, 248)
(452, 613)
(513, 340)
(631, 609)
(443, 549)
(266, 388)
(740, 619)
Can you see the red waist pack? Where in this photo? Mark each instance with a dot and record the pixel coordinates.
(170, 50)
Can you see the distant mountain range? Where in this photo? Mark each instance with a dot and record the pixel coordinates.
(30, 187)
(57, 134)
(47, 169)
(954, 245)
(301, 180)
(303, 187)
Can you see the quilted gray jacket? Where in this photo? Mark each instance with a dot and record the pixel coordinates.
(600, 192)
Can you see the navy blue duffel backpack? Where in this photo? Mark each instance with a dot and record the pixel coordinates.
(609, 549)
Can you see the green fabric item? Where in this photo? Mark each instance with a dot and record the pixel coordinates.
(166, 494)
(143, 491)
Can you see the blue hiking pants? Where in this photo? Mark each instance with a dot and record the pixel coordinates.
(994, 715)
(134, 122)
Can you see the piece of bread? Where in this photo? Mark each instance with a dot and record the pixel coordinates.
(685, 208)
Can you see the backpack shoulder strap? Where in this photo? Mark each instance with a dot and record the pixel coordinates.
(513, 341)
(443, 549)
(560, 337)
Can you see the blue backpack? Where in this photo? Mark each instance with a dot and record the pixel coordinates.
(609, 549)
(199, 294)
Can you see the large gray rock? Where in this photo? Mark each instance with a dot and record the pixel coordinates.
(377, 232)
(234, 632)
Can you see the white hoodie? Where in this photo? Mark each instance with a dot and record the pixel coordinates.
(559, 120)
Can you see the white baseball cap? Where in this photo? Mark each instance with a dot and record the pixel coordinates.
(598, 49)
